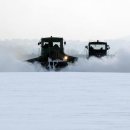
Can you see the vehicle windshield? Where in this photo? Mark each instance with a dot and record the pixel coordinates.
(56, 43)
(97, 47)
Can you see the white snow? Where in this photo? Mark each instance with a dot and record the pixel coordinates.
(64, 101)
(14, 53)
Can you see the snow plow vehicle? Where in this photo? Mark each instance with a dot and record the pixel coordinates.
(97, 49)
(52, 54)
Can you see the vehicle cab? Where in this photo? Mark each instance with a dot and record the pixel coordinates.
(97, 49)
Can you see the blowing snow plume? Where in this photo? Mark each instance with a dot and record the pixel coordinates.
(14, 53)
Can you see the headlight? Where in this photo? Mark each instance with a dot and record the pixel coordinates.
(65, 58)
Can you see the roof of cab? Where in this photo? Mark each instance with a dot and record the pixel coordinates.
(98, 42)
(54, 39)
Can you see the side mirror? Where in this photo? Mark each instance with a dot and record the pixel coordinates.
(39, 43)
(64, 43)
(86, 47)
(108, 47)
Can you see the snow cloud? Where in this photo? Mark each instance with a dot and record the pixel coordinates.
(14, 53)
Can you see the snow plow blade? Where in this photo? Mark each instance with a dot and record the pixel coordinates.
(55, 64)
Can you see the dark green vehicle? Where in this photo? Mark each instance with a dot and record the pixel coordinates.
(52, 53)
(97, 49)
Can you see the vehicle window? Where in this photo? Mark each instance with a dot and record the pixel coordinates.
(56, 43)
(46, 43)
(98, 47)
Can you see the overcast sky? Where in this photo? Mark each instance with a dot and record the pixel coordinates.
(71, 19)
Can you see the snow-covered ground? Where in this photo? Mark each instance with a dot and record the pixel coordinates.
(64, 101)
